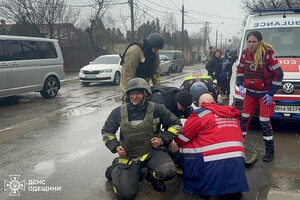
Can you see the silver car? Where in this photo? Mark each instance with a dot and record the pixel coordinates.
(165, 64)
(105, 68)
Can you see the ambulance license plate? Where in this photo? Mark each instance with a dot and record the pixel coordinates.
(287, 109)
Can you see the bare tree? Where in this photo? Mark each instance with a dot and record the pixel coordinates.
(40, 15)
(97, 12)
(270, 4)
(123, 20)
(170, 22)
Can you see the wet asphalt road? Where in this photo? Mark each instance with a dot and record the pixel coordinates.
(57, 144)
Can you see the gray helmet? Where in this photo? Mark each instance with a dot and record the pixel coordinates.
(197, 89)
(156, 40)
(138, 83)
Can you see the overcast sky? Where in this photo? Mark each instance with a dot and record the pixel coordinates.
(197, 12)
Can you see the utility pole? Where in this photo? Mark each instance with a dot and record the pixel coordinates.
(217, 34)
(205, 36)
(132, 35)
(221, 41)
(182, 27)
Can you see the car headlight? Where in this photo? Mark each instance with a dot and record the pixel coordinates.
(108, 70)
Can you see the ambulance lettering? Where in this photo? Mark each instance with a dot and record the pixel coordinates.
(276, 23)
(289, 65)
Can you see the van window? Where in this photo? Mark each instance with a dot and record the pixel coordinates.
(30, 50)
(2, 55)
(15, 50)
(286, 41)
(47, 50)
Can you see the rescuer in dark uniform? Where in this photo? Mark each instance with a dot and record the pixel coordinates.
(141, 143)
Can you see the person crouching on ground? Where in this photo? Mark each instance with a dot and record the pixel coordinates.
(212, 151)
(140, 145)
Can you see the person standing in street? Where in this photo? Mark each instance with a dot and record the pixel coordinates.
(142, 60)
(261, 75)
(214, 65)
(212, 151)
(211, 50)
(142, 144)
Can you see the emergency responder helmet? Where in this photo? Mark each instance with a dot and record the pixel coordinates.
(196, 90)
(138, 83)
(156, 40)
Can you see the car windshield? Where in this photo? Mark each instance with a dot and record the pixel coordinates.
(107, 60)
(168, 54)
(286, 41)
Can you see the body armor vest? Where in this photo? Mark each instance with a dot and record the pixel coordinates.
(144, 69)
(136, 138)
(147, 68)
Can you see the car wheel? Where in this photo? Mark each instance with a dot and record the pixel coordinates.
(169, 71)
(117, 78)
(173, 69)
(85, 83)
(50, 88)
(181, 68)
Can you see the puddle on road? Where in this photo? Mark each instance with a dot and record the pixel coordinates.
(16, 131)
(284, 184)
(45, 168)
(78, 111)
(75, 155)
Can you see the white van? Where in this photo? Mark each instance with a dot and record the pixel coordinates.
(280, 28)
(29, 64)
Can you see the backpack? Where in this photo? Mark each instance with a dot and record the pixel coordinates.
(122, 56)
(223, 74)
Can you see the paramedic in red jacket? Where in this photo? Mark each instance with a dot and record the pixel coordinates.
(261, 75)
(212, 151)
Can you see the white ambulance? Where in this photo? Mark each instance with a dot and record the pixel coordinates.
(280, 28)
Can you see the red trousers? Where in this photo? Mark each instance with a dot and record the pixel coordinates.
(265, 112)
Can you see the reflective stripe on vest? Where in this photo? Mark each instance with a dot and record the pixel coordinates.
(201, 114)
(205, 112)
(224, 156)
(215, 147)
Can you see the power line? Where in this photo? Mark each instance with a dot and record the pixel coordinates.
(163, 6)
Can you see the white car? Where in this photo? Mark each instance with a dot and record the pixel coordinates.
(165, 64)
(105, 68)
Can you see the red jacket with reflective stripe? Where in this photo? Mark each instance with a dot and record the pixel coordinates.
(272, 73)
(214, 131)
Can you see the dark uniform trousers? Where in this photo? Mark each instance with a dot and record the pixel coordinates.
(126, 177)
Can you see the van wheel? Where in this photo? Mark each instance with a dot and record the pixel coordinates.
(117, 78)
(169, 71)
(50, 89)
(85, 83)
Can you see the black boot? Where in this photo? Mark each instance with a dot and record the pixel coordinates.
(269, 157)
(157, 185)
(110, 168)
